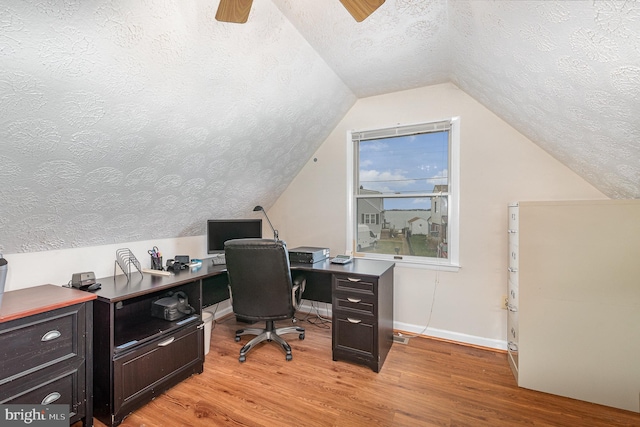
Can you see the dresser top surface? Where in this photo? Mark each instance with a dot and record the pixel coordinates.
(39, 299)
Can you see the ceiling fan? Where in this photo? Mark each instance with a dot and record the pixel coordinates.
(237, 11)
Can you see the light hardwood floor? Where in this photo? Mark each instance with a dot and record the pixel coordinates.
(425, 383)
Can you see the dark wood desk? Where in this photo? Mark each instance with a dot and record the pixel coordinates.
(362, 307)
(138, 356)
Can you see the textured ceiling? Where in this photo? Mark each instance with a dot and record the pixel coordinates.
(404, 44)
(131, 120)
(566, 74)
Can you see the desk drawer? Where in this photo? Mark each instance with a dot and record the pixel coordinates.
(354, 284)
(38, 342)
(354, 303)
(354, 335)
(140, 371)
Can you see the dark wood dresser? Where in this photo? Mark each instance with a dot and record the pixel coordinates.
(46, 339)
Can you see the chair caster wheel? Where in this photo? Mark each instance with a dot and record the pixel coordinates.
(301, 336)
(242, 359)
(289, 357)
(237, 339)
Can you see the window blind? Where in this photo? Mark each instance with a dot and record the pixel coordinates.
(404, 130)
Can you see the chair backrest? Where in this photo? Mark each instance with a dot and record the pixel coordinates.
(259, 278)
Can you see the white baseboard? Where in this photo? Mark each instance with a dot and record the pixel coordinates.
(451, 336)
(313, 307)
(324, 310)
(220, 312)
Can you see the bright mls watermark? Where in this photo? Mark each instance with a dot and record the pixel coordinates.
(34, 415)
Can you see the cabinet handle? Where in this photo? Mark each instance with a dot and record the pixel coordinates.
(353, 320)
(356, 300)
(51, 335)
(167, 342)
(512, 231)
(50, 398)
(512, 270)
(353, 279)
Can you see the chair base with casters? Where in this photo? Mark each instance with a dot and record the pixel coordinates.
(271, 334)
(261, 289)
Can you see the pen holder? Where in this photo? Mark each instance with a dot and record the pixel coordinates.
(156, 263)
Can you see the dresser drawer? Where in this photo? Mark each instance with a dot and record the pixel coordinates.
(59, 390)
(354, 284)
(41, 341)
(514, 297)
(514, 255)
(512, 327)
(514, 218)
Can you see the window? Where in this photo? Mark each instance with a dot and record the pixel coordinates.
(368, 218)
(404, 193)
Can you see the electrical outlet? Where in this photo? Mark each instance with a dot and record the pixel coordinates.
(505, 302)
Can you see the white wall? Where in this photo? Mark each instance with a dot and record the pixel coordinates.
(498, 166)
(57, 266)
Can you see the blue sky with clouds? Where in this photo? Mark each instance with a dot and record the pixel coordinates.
(405, 165)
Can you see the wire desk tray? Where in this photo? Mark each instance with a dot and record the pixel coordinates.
(125, 259)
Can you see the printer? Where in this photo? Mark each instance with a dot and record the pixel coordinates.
(308, 255)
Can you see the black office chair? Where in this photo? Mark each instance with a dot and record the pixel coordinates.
(261, 289)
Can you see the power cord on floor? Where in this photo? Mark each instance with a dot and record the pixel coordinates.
(317, 319)
(433, 303)
(213, 316)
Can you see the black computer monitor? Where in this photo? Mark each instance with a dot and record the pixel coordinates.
(221, 230)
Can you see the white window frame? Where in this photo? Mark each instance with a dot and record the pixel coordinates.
(452, 263)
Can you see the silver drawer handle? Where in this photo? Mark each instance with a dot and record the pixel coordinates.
(166, 343)
(51, 335)
(356, 300)
(352, 279)
(50, 398)
(512, 270)
(353, 320)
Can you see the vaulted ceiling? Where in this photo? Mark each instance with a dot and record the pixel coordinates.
(123, 121)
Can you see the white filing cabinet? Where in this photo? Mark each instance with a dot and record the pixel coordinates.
(512, 290)
(574, 299)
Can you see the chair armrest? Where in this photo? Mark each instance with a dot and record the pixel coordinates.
(299, 283)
